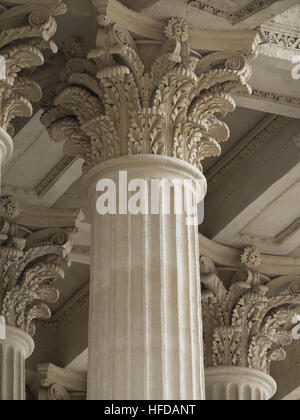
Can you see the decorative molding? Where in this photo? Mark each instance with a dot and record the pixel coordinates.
(73, 196)
(244, 150)
(248, 322)
(262, 167)
(29, 266)
(82, 250)
(52, 383)
(146, 27)
(43, 187)
(247, 11)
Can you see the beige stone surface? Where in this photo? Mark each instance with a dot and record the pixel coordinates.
(252, 178)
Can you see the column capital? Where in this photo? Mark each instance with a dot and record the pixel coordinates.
(248, 317)
(26, 30)
(21, 340)
(31, 262)
(143, 96)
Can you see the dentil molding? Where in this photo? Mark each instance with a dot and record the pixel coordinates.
(31, 262)
(270, 266)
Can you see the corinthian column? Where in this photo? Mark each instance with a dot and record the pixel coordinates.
(26, 30)
(248, 324)
(30, 264)
(147, 109)
(14, 350)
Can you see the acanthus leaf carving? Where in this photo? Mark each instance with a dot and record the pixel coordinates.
(30, 264)
(248, 318)
(126, 105)
(26, 30)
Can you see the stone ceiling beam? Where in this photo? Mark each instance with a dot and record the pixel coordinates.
(277, 104)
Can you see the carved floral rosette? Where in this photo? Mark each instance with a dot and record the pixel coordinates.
(30, 264)
(26, 30)
(118, 102)
(247, 317)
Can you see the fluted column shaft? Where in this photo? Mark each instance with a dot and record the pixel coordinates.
(145, 338)
(14, 350)
(6, 149)
(238, 384)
